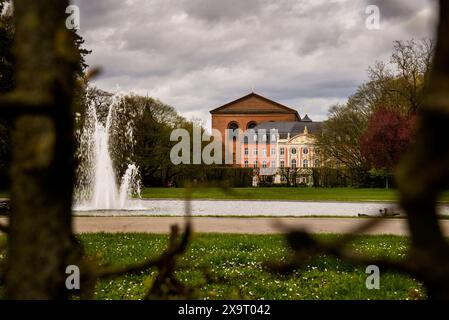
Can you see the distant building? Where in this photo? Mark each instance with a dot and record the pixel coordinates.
(278, 144)
(249, 111)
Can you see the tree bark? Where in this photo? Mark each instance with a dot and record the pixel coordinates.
(424, 171)
(41, 243)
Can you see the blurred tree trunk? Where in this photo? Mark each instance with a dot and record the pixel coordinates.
(41, 244)
(424, 172)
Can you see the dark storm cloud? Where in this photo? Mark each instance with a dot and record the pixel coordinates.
(99, 13)
(398, 9)
(199, 54)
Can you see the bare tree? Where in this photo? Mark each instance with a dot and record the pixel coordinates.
(400, 83)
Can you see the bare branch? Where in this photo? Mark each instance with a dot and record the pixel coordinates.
(17, 102)
(305, 247)
(174, 249)
(4, 228)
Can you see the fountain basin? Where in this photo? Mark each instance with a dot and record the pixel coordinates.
(165, 207)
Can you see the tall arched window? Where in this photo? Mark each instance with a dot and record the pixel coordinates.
(305, 163)
(233, 125)
(293, 163)
(317, 163)
(251, 125)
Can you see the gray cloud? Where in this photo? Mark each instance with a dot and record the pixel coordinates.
(199, 54)
(222, 11)
(398, 9)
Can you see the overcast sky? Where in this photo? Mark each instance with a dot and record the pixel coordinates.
(199, 54)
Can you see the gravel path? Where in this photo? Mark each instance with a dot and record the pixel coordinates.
(237, 225)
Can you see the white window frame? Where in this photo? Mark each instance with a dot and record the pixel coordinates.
(305, 163)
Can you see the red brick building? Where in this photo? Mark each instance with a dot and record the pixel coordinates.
(249, 111)
(288, 151)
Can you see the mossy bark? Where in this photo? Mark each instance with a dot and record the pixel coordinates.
(41, 243)
(424, 172)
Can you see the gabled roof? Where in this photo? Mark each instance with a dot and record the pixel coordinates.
(233, 108)
(306, 119)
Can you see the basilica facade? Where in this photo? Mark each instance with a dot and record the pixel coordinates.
(278, 144)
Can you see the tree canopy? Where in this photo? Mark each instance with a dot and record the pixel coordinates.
(393, 93)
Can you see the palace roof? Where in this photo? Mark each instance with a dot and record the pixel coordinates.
(293, 128)
(254, 103)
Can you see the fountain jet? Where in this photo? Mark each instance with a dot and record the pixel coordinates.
(97, 187)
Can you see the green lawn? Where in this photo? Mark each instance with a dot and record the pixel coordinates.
(279, 193)
(238, 261)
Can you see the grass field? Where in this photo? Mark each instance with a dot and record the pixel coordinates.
(279, 193)
(238, 261)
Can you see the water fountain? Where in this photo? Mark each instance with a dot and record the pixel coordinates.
(97, 188)
(107, 134)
